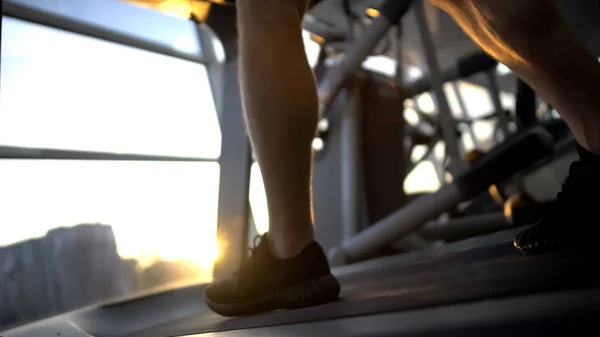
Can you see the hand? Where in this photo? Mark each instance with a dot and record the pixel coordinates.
(515, 32)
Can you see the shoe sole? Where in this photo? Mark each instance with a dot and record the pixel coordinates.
(314, 292)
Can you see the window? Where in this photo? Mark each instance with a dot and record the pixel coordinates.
(157, 210)
(66, 91)
(78, 232)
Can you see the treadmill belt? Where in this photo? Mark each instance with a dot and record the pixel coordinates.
(474, 274)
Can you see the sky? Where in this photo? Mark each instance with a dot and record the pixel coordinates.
(65, 91)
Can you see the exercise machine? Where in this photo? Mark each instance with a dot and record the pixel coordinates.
(515, 154)
(451, 282)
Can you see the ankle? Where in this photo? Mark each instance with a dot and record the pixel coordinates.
(281, 247)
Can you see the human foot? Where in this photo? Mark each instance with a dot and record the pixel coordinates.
(264, 283)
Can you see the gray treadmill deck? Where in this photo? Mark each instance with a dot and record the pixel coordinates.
(467, 286)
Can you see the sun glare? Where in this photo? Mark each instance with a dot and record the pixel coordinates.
(198, 247)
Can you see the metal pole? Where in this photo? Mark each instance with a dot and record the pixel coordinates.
(350, 19)
(1, 11)
(466, 227)
(525, 105)
(400, 223)
(463, 112)
(439, 170)
(494, 91)
(16, 152)
(439, 165)
(447, 123)
(206, 37)
(27, 13)
(510, 157)
(428, 153)
(350, 129)
(391, 12)
(399, 79)
(464, 67)
(234, 181)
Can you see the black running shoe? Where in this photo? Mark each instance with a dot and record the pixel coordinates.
(264, 283)
(569, 225)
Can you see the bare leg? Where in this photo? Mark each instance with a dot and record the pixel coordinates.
(281, 108)
(289, 269)
(530, 37)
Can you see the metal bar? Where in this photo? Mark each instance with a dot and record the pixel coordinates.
(234, 184)
(464, 67)
(480, 118)
(507, 159)
(424, 116)
(447, 123)
(466, 227)
(1, 11)
(391, 12)
(439, 170)
(350, 20)
(411, 243)
(439, 165)
(463, 112)
(424, 84)
(15, 152)
(214, 67)
(398, 224)
(399, 79)
(564, 147)
(525, 105)
(27, 13)
(430, 149)
(350, 143)
(494, 91)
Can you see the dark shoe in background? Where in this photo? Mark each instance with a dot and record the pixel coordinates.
(570, 224)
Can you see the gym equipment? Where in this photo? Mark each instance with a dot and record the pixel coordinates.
(352, 172)
(519, 210)
(464, 115)
(473, 287)
(329, 88)
(510, 157)
(494, 92)
(478, 287)
(465, 227)
(463, 68)
(447, 123)
(525, 105)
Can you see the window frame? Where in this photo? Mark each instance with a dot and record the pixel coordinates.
(208, 57)
(235, 157)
